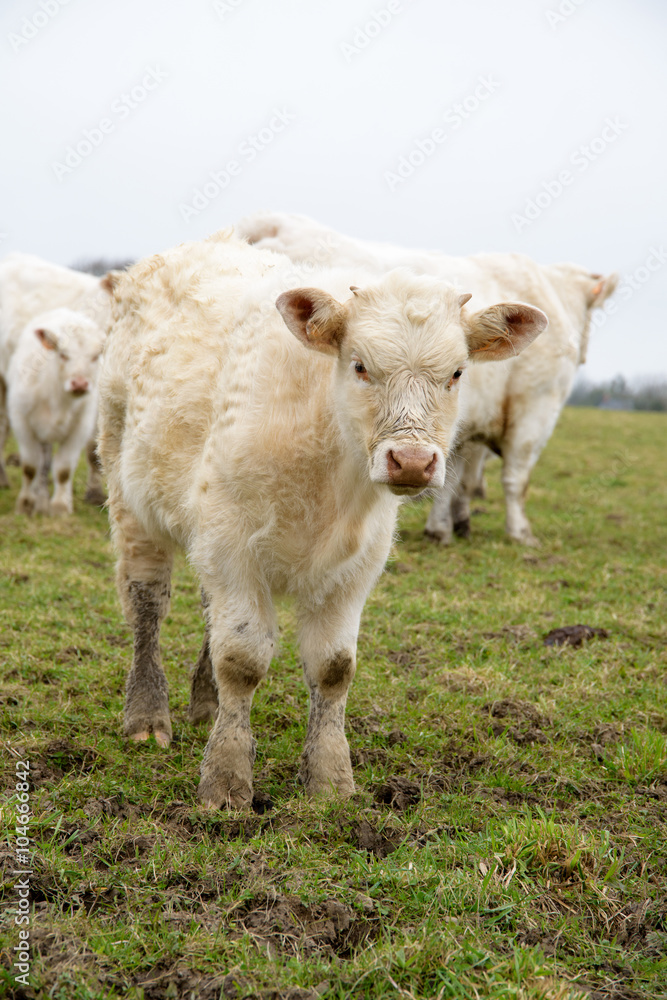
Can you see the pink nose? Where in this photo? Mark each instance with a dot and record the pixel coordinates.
(78, 385)
(411, 466)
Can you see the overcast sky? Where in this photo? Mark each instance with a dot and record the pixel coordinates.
(530, 125)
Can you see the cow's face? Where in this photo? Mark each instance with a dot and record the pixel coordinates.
(402, 347)
(74, 344)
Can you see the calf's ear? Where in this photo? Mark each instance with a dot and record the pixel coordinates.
(503, 330)
(47, 339)
(315, 318)
(601, 289)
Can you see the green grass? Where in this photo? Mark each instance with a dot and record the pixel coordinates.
(525, 852)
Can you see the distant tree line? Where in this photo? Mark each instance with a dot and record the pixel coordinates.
(100, 265)
(641, 394)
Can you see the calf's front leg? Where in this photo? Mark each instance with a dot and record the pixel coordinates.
(240, 639)
(329, 651)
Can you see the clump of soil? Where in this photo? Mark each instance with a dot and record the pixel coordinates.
(399, 793)
(291, 925)
(521, 721)
(381, 843)
(574, 635)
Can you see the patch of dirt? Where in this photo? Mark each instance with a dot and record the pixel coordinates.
(118, 640)
(574, 635)
(114, 806)
(642, 925)
(49, 764)
(290, 925)
(399, 793)
(381, 843)
(456, 680)
(73, 654)
(533, 938)
(410, 657)
(529, 721)
(514, 633)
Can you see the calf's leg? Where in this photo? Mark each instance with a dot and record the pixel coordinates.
(4, 430)
(94, 485)
(240, 648)
(30, 451)
(329, 651)
(203, 693)
(143, 578)
(440, 523)
(64, 464)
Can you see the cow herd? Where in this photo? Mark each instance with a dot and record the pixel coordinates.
(266, 398)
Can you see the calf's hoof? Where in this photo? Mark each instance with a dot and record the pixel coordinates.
(440, 536)
(462, 528)
(226, 771)
(58, 509)
(25, 505)
(139, 729)
(95, 496)
(327, 771)
(202, 711)
(526, 538)
(219, 787)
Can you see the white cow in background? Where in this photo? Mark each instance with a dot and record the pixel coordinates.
(52, 399)
(30, 286)
(274, 446)
(511, 408)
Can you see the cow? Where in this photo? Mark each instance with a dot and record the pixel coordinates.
(511, 409)
(30, 286)
(271, 432)
(52, 399)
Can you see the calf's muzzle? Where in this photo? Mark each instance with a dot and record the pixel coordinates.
(411, 466)
(78, 385)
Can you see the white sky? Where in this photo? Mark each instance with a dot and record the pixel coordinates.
(223, 67)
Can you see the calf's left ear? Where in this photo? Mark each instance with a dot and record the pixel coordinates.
(315, 318)
(47, 339)
(502, 331)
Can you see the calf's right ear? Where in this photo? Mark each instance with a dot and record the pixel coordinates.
(47, 339)
(315, 318)
(503, 330)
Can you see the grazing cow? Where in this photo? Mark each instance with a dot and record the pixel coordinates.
(274, 447)
(52, 399)
(30, 286)
(510, 409)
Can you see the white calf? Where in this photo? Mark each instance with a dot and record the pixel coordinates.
(52, 399)
(275, 451)
(30, 286)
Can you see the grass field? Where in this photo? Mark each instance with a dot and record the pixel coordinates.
(508, 835)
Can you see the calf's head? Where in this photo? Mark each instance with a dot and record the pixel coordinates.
(402, 346)
(73, 344)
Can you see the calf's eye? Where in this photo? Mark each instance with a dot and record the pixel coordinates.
(361, 371)
(458, 373)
